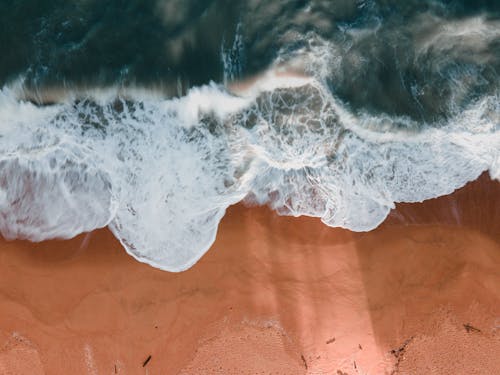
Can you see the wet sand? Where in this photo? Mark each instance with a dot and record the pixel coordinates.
(419, 295)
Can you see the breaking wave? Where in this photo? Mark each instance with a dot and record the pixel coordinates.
(334, 110)
(161, 172)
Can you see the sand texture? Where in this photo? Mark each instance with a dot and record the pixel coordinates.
(274, 295)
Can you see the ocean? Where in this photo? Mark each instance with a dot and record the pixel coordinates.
(153, 117)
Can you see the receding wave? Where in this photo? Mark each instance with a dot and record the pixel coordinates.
(335, 110)
(161, 172)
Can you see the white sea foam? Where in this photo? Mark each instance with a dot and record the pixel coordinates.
(161, 173)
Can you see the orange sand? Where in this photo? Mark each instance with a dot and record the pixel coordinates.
(274, 295)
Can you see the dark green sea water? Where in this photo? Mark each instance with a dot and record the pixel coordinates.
(164, 42)
(127, 114)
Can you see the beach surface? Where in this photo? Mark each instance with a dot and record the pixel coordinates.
(274, 295)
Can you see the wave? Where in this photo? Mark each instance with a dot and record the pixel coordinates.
(161, 172)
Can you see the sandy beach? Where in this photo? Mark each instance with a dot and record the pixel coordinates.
(169, 136)
(274, 295)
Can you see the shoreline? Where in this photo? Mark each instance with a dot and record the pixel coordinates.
(273, 294)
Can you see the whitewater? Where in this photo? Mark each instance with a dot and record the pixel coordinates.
(161, 172)
(397, 106)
